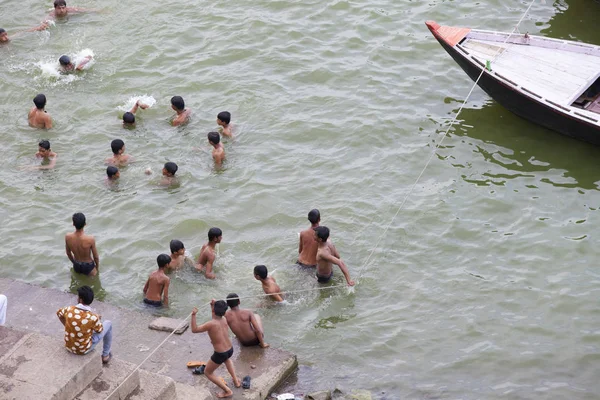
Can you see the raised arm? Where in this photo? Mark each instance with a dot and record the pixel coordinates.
(95, 255)
(337, 261)
(195, 328)
(83, 63)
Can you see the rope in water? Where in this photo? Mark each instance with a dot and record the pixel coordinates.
(366, 263)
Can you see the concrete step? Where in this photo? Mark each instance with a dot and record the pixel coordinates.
(38, 366)
(112, 375)
(185, 392)
(154, 387)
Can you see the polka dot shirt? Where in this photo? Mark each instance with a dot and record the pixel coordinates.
(79, 327)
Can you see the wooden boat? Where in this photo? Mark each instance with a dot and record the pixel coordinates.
(552, 82)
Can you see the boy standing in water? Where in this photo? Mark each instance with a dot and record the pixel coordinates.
(269, 284)
(218, 331)
(183, 114)
(156, 289)
(328, 255)
(223, 120)
(177, 254)
(79, 246)
(307, 246)
(168, 173)
(119, 157)
(112, 173)
(244, 324)
(38, 117)
(206, 258)
(218, 152)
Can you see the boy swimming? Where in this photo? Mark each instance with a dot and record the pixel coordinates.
(119, 157)
(177, 254)
(129, 116)
(112, 173)
(66, 65)
(218, 152)
(269, 284)
(156, 289)
(168, 173)
(46, 154)
(223, 120)
(183, 114)
(38, 117)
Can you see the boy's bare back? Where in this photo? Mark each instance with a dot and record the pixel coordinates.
(205, 261)
(218, 154)
(81, 245)
(39, 119)
(308, 248)
(155, 286)
(271, 288)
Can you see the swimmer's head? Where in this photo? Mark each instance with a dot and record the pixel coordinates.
(60, 8)
(128, 118)
(177, 247)
(322, 234)
(3, 36)
(215, 235)
(314, 216)
(260, 272)
(78, 221)
(163, 260)
(214, 138)
(219, 308)
(117, 146)
(223, 118)
(112, 172)
(44, 146)
(39, 101)
(177, 103)
(66, 63)
(86, 295)
(233, 300)
(170, 169)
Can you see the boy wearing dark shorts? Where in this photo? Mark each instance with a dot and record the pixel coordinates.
(218, 331)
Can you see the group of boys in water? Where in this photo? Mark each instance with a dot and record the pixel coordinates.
(315, 249)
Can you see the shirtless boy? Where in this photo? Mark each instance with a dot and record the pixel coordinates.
(112, 173)
(269, 285)
(307, 246)
(218, 332)
(177, 255)
(218, 152)
(46, 154)
(129, 116)
(60, 11)
(38, 117)
(223, 120)
(119, 157)
(4, 36)
(328, 255)
(206, 258)
(183, 114)
(79, 246)
(168, 172)
(66, 65)
(156, 289)
(244, 324)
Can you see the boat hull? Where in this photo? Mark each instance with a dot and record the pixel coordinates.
(523, 105)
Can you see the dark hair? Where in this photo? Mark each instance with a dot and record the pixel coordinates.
(177, 102)
(78, 220)
(39, 101)
(214, 137)
(220, 307)
(2, 30)
(322, 233)
(233, 303)
(64, 60)
(86, 295)
(176, 245)
(44, 144)
(111, 171)
(224, 116)
(214, 233)
(314, 216)
(261, 271)
(117, 145)
(129, 118)
(58, 3)
(171, 167)
(162, 260)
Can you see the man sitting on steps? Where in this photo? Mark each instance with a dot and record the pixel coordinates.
(83, 329)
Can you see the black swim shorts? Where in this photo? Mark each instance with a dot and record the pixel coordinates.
(220, 358)
(156, 303)
(324, 278)
(83, 267)
(305, 265)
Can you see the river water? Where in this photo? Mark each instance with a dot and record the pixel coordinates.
(484, 286)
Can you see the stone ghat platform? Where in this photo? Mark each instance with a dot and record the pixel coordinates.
(34, 363)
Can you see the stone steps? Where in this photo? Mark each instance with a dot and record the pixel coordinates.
(154, 387)
(112, 375)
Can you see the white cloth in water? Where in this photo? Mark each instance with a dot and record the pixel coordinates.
(3, 307)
